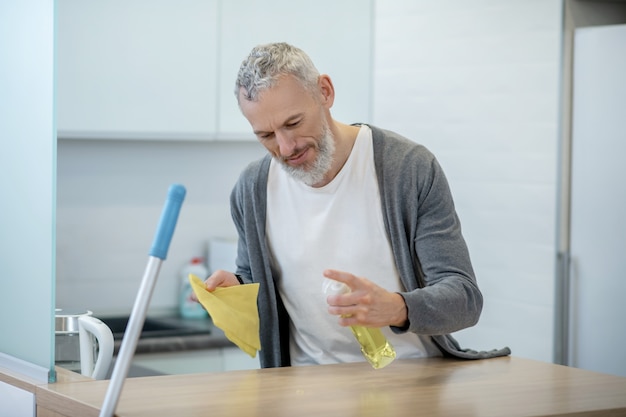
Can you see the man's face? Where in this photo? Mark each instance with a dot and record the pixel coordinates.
(291, 124)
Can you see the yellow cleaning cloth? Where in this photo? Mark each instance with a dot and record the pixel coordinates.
(234, 310)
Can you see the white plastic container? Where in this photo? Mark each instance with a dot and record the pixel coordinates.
(187, 306)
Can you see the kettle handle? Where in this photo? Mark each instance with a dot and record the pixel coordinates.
(89, 324)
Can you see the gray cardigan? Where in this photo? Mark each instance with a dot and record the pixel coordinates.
(425, 234)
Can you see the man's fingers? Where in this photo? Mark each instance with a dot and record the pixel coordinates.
(347, 278)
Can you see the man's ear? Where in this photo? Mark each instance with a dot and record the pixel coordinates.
(327, 90)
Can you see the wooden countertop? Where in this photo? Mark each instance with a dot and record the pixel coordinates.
(507, 386)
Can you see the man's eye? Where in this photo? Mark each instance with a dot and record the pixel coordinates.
(293, 124)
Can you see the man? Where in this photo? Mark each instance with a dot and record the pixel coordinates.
(351, 203)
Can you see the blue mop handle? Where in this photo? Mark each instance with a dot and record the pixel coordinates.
(163, 237)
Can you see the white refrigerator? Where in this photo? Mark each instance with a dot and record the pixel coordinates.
(597, 269)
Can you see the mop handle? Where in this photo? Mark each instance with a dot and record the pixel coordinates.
(163, 236)
(158, 253)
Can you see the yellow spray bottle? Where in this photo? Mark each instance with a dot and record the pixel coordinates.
(374, 345)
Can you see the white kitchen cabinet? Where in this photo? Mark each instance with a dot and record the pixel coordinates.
(197, 361)
(182, 362)
(165, 69)
(235, 359)
(16, 402)
(337, 35)
(138, 69)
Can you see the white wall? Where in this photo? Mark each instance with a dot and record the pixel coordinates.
(110, 197)
(475, 81)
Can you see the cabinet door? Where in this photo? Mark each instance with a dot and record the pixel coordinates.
(16, 402)
(137, 69)
(235, 359)
(337, 35)
(182, 362)
(229, 358)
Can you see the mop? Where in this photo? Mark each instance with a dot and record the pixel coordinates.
(158, 253)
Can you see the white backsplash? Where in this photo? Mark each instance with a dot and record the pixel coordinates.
(110, 197)
(222, 254)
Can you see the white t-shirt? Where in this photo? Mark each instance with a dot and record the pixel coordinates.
(338, 226)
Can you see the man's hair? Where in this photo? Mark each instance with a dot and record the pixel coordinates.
(267, 63)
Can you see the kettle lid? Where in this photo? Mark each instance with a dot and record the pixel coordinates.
(66, 320)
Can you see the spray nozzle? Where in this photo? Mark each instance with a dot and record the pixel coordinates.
(332, 287)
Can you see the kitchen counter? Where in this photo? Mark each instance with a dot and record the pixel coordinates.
(506, 386)
(208, 336)
(171, 344)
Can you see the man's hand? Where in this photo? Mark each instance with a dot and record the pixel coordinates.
(218, 278)
(367, 304)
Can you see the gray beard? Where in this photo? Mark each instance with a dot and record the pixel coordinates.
(321, 165)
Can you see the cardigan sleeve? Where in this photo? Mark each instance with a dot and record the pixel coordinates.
(433, 261)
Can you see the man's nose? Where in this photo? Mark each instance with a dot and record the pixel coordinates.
(286, 143)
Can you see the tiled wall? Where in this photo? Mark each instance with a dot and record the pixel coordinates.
(110, 197)
(476, 81)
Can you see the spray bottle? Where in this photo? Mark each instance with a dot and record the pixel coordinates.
(374, 345)
(189, 308)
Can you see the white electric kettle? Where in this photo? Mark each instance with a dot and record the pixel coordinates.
(83, 343)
